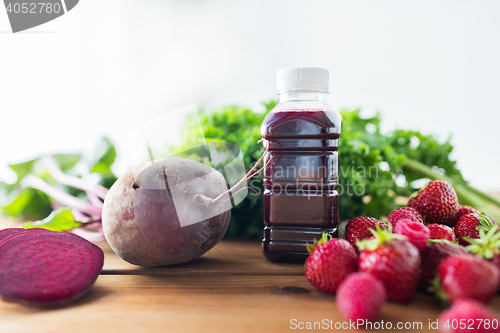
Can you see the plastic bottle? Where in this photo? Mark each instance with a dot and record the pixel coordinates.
(301, 177)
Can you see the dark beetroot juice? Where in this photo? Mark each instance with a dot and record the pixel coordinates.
(300, 181)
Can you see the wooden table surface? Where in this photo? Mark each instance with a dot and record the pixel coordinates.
(232, 288)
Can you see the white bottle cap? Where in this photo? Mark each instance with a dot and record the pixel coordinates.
(309, 78)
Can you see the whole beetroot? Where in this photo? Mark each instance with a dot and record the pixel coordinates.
(166, 212)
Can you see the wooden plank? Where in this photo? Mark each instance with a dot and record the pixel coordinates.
(230, 257)
(160, 303)
(191, 304)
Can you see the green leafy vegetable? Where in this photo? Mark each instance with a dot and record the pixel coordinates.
(67, 161)
(58, 220)
(23, 169)
(29, 204)
(102, 162)
(60, 180)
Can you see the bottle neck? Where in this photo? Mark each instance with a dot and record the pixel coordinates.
(298, 96)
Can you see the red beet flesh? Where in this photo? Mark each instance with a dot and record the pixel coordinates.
(10, 231)
(9, 234)
(47, 268)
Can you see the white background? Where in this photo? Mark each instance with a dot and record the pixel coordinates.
(105, 66)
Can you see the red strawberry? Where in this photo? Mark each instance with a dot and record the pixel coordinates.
(467, 276)
(431, 256)
(477, 318)
(437, 202)
(469, 226)
(395, 262)
(330, 263)
(487, 246)
(464, 210)
(417, 234)
(441, 231)
(358, 229)
(409, 213)
(361, 296)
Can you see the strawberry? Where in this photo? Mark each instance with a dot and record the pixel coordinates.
(476, 317)
(358, 229)
(469, 226)
(361, 297)
(431, 256)
(437, 202)
(466, 276)
(487, 246)
(409, 213)
(464, 210)
(441, 231)
(330, 263)
(392, 260)
(418, 234)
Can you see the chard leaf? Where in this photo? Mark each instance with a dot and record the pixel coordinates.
(5, 190)
(23, 169)
(104, 158)
(58, 220)
(29, 204)
(67, 161)
(102, 161)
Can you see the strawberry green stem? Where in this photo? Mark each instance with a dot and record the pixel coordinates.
(438, 292)
(487, 245)
(382, 236)
(324, 238)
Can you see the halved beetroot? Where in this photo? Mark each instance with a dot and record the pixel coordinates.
(16, 231)
(47, 268)
(10, 231)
